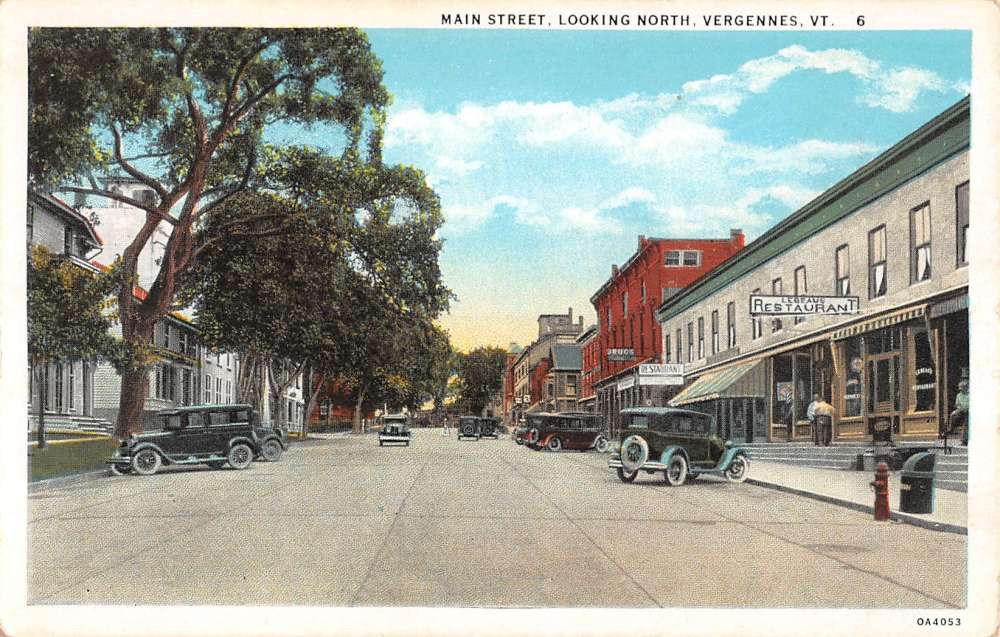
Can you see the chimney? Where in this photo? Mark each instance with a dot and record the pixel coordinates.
(569, 313)
(580, 321)
(642, 240)
(736, 238)
(614, 270)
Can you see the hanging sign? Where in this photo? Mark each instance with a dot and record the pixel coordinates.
(621, 354)
(763, 305)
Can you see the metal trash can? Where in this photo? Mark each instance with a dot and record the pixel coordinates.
(916, 484)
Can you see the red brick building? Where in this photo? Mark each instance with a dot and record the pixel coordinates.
(591, 354)
(628, 332)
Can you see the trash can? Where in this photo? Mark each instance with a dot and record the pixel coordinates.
(916, 484)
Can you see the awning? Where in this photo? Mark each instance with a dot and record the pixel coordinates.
(951, 305)
(724, 383)
(877, 323)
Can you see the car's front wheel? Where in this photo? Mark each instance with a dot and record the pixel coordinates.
(601, 444)
(626, 476)
(738, 469)
(555, 444)
(271, 451)
(240, 456)
(676, 471)
(146, 462)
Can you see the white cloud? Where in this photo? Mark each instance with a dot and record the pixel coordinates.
(465, 216)
(457, 167)
(812, 156)
(894, 89)
(753, 211)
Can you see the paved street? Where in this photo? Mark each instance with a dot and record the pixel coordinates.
(344, 522)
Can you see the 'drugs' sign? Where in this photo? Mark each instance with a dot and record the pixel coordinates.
(761, 305)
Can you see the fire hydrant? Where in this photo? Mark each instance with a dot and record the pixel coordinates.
(880, 485)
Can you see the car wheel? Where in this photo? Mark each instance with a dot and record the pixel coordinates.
(738, 469)
(676, 471)
(146, 462)
(601, 444)
(626, 476)
(635, 453)
(271, 450)
(216, 464)
(121, 469)
(555, 444)
(240, 456)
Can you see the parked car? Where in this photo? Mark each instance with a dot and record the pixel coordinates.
(569, 430)
(680, 443)
(468, 427)
(489, 428)
(215, 435)
(520, 433)
(395, 428)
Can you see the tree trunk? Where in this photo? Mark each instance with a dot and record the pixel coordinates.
(312, 401)
(132, 402)
(38, 370)
(358, 406)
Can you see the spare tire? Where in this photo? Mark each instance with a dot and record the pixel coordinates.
(635, 453)
(468, 429)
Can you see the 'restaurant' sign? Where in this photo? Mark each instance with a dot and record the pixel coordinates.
(661, 369)
(761, 305)
(621, 354)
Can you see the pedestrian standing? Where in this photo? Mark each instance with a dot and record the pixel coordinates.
(823, 415)
(811, 416)
(960, 416)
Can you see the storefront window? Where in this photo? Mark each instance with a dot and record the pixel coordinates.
(854, 381)
(783, 391)
(803, 385)
(923, 383)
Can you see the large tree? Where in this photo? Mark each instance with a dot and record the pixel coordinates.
(186, 111)
(480, 374)
(341, 278)
(68, 319)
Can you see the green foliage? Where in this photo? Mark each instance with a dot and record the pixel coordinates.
(480, 376)
(68, 311)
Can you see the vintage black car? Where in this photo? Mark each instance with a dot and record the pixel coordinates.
(469, 427)
(395, 429)
(566, 430)
(680, 443)
(489, 428)
(215, 435)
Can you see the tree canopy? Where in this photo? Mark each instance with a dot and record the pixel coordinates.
(480, 374)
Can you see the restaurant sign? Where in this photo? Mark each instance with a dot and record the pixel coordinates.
(765, 305)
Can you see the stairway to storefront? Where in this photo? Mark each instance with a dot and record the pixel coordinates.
(952, 469)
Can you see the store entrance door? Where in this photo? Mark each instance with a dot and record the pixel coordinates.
(883, 396)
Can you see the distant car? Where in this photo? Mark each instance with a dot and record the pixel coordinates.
(469, 427)
(681, 443)
(576, 431)
(395, 429)
(215, 435)
(519, 434)
(489, 428)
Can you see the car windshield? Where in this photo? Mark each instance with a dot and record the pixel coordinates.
(172, 421)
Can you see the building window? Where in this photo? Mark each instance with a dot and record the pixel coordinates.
(776, 290)
(171, 381)
(666, 348)
(182, 342)
(218, 358)
(876, 263)
(756, 324)
(679, 348)
(71, 383)
(642, 291)
(961, 222)
(800, 288)
(715, 331)
(920, 243)
(208, 388)
(186, 386)
(731, 324)
(290, 412)
(166, 335)
(624, 304)
(923, 384)
(842, 262)
(218, 390)
(58, 391)
(692, 258)
(158, 382)
(68, 242)
(701, 337)
(229, 392)
(690, 342)
(229, 365)
(673, 258)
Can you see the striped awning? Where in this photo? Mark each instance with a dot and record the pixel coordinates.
(714, 385)
(878, 322)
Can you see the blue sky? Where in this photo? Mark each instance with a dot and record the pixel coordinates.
(552, 150)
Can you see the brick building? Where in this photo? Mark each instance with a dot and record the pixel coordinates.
(590, 357)
(532, 364)
(628, 332)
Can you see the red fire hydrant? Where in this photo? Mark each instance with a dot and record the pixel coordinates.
(880, 485)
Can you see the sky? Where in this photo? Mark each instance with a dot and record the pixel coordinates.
(552, 151)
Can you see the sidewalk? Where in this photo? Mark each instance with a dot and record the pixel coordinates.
(851, 489)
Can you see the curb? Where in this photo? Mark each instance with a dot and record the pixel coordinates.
(895, 516)
(61, 481)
